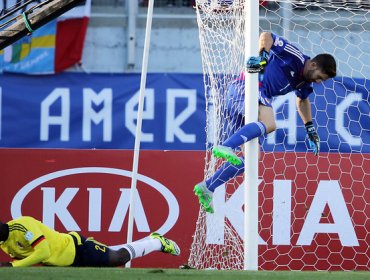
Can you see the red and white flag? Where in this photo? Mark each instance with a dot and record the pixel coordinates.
(70, 36)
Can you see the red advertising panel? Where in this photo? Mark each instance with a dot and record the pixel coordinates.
(314, 211)
(89, 191)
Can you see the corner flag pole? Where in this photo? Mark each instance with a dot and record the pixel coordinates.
(135, 163)
(251, 147)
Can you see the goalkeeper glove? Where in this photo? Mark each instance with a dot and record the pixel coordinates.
(257, 64)
(313, 138)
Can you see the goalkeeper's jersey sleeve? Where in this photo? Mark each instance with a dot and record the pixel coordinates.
(284, 72)
(31, 242)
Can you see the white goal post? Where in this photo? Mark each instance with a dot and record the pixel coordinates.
(251, 147)
(312, 212)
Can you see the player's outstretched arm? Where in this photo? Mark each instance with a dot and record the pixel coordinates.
(313, 138)
(304, 110)
(41, 253)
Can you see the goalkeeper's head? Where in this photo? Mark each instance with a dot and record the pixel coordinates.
(320, 68)
(326, 63)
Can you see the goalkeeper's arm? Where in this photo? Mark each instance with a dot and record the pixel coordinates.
(257, 64)
(304, 110)
(265, 42)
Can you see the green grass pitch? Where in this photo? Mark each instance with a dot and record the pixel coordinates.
(56, 273)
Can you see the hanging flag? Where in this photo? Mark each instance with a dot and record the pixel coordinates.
(50, 49)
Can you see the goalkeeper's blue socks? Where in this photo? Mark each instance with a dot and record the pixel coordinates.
(245, 134)
(224, 174)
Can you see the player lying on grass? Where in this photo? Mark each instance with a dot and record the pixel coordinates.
(28, 242)
(282, 68)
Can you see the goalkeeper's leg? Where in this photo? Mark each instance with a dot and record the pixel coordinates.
(204, 190)
(205, 197)
(246, 133)
(236, 111)
(224, 174)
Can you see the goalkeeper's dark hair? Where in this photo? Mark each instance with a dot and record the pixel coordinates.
(326, 63)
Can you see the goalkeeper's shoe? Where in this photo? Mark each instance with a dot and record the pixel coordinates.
(205, 197)
(226, 153)
(168, 246)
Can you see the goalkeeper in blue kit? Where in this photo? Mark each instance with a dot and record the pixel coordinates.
(282, 68)
(29, 242)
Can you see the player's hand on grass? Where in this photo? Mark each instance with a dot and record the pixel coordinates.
(5, 264)
(313, 138)
(257, 64)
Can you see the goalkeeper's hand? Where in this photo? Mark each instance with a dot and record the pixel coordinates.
(313, 138)
(257, 64)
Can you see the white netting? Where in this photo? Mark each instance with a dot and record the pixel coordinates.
(314, 212)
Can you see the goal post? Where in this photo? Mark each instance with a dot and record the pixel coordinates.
(313, 211)
(251, 147)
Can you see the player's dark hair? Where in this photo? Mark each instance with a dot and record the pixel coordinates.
(326, 63)
(4, 231)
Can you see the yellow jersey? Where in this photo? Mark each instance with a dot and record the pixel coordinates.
(31, 242)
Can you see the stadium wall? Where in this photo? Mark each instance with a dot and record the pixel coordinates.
(174, 44)
(175, 39)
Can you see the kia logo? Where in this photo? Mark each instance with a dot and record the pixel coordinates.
(171, 200)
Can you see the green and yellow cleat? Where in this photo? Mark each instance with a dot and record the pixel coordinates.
(226, 153)
(205, 197)
(168, 246)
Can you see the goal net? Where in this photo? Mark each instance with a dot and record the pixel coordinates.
(314, 212)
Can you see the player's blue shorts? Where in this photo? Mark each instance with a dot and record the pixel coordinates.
(235, 104)
(89, 252)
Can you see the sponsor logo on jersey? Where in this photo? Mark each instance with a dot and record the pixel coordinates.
(28, 236)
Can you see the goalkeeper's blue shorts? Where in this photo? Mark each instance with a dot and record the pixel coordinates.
(235, 98)
(235, 104)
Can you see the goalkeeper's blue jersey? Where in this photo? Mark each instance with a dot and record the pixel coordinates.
(284, 71)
